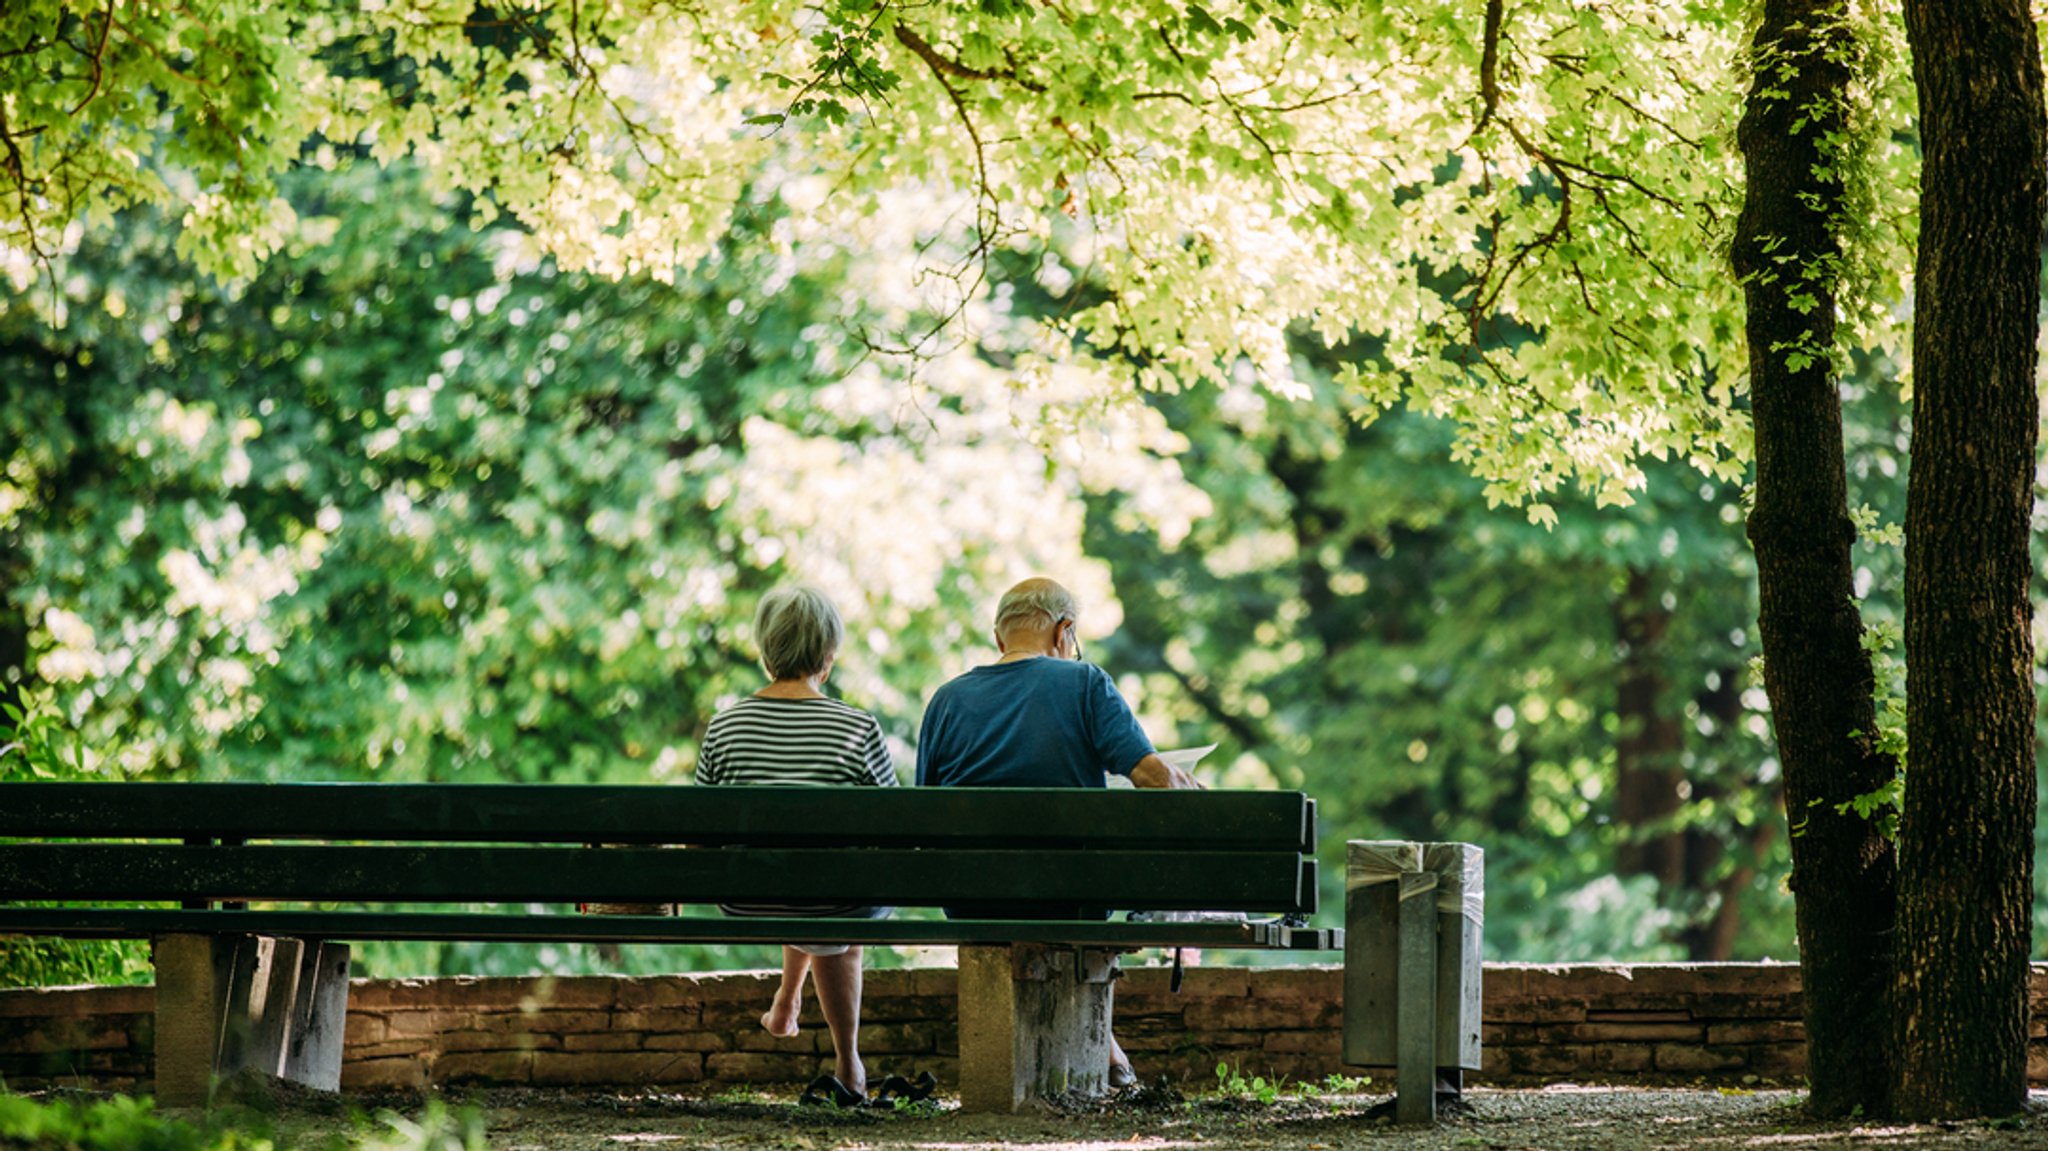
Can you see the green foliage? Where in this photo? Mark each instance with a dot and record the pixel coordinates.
(415, 503)
(1231, 1084)
(386, 960)
(740, 1094)
(198, 106)
(117, 1124)
(1884, 640)
(1331, 1084)
(124, 1123)
(1350, 619)
(36, 743)
(31, 961)
(439, 1127)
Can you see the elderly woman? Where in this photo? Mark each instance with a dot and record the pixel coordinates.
(791, 734)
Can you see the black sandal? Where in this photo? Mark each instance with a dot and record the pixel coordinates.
(896, 1089)
(828, 1091)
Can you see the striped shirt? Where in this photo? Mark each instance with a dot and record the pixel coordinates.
(795, 743)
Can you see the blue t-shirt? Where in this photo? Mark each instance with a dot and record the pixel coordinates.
(1034, 723)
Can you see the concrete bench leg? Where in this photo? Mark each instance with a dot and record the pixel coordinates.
(247, 1002)
(1034, 1022)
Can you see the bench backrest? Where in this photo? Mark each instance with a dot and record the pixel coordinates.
(511, 843)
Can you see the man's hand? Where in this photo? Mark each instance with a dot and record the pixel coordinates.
(1153, 771)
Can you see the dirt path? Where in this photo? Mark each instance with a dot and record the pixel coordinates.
(1554, 1119)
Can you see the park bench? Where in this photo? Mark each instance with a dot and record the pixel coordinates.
(259, 889)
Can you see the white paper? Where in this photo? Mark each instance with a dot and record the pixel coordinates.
(1186, 758)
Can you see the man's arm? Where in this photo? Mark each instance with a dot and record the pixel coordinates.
(1153, 771)
(932, 734)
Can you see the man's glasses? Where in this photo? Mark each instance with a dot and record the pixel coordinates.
(1073, 635)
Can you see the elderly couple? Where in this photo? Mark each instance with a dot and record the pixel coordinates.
(1036, 717)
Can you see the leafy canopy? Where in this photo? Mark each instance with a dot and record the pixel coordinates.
(1420, 181)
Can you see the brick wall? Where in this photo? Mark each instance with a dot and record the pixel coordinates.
(1715, 1023)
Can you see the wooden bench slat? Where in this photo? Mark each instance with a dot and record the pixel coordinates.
(134, 923)
(638, 814)
(1167, 881)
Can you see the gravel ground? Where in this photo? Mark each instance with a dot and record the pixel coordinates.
(1562, 1118)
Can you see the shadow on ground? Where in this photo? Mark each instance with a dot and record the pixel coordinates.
(1150, 1118)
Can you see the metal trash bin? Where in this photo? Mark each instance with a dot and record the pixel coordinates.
(1414, 914)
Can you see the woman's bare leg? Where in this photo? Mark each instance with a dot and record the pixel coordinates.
(838, 979)
(780, 1018)
(1120, 1073)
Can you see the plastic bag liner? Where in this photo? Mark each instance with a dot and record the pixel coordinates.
(1460, 879)
(1370, 861)
(1460, 870)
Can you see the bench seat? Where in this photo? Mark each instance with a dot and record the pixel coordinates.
(271, 881)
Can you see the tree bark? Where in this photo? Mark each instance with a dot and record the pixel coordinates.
(1966, 840)
(1818, 677)
(1649, 778)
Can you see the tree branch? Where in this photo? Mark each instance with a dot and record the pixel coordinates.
(1489, 67)
(98, 57)
(17, 168)
(1245, 732)
(945, 66)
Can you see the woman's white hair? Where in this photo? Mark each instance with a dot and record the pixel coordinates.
(1035, 604)
(798, 631)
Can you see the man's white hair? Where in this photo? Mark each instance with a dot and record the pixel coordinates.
(1035, 604)
(798, 631)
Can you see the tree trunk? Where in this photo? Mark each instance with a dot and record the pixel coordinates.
(1649, 778)
(1844, 875)
(1967, 837)
(1710, 937)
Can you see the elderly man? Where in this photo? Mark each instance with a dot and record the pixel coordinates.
(1038, 717)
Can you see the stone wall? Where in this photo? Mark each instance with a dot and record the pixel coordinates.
(92, 1037)
(1712, 1023)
